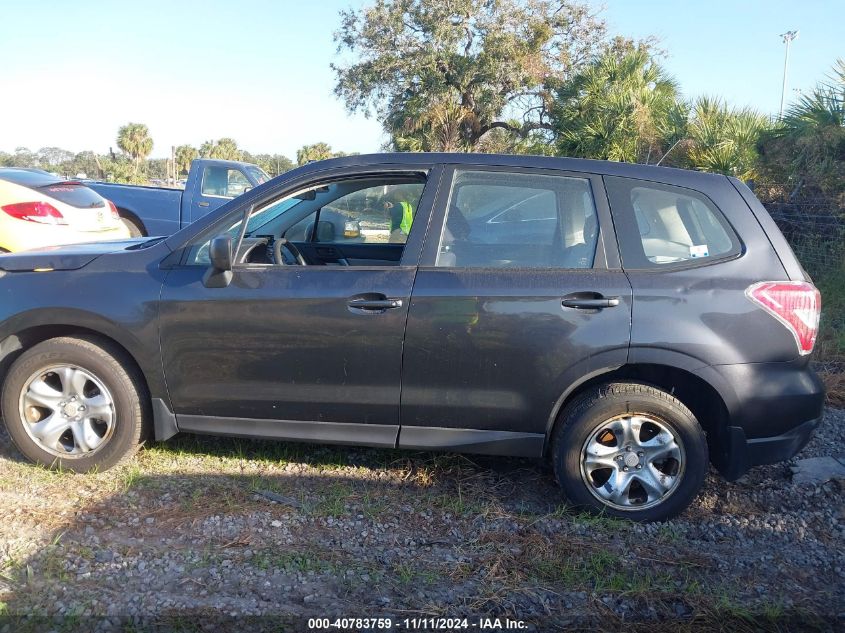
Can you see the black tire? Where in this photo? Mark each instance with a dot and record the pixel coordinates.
(109, 365)
(132, 225)
(585, 417)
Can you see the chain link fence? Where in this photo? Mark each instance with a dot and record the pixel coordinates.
(813, 225)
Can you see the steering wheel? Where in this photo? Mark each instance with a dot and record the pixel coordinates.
(293, 250)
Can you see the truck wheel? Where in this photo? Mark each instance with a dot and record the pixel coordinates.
(629, 450)
(134, 229)
(75, 404)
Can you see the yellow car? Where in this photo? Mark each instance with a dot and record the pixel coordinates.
(39, 209)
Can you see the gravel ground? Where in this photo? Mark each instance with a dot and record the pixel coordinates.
(203, 534)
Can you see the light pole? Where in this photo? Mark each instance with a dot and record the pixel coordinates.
(787, 39)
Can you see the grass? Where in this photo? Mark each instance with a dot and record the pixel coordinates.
(301, 562)
(600, 570)
(830, 346)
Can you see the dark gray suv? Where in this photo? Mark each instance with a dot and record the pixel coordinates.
(629, 323)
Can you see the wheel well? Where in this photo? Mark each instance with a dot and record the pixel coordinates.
(126, 213)
(16, 344)
(697, 394)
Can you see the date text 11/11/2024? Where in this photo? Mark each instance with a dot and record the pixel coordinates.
(415, 624)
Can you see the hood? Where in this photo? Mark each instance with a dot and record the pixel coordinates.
(69, 257)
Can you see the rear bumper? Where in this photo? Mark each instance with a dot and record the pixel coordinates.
(46, 235)
(772, 411)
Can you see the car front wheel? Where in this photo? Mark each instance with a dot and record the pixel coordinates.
(629, 450)
(75, 404)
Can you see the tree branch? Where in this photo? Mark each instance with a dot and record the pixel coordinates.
(521, 130)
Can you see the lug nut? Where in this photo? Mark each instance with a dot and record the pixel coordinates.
(625, 469)
(627, 448)
(639, 466)
(640, 454)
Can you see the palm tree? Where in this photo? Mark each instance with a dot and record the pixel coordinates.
(620, 107)
(808, 147)
(723, 140)
(317, 151)
(433, 127)
(225, 149)
(185, 155)
(134, 140)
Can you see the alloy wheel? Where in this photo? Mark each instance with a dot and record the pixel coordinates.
(67, 411)
(632, 462)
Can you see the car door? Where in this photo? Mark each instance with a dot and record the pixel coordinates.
(504, 321)
(216, 186)
(290, 351)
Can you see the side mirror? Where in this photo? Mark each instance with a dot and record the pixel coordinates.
(219, 274)
(325, 232)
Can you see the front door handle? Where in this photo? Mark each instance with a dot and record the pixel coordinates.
(590, 304)
(367, 304)
(202, 204)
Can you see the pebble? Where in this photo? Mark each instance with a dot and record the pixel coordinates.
(401, 544)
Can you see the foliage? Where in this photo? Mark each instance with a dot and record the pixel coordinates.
(317, 151)
(622, 106)
(807, 148)
(52, 157)
(185, 155)
(121, 169)
(441, 75)
(722, 139)
(134, 140)
(273, 164)
(224, 149)
(22, 157)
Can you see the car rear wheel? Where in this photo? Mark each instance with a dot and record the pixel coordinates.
(132, 226)
(629, 450)
(75, 404)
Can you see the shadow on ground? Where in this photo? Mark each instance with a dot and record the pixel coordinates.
(209, 534)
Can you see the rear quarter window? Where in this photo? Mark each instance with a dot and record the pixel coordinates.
(662, 226)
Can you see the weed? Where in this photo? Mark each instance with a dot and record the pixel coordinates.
(132, 476)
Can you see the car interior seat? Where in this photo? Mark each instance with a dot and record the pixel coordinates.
(580, 255)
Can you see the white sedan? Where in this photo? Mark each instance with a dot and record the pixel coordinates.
(39, 209)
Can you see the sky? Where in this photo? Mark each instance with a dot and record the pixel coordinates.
(73, 72)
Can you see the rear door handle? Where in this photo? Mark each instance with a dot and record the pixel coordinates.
(374, 305)
(202, 204)
(590, 304)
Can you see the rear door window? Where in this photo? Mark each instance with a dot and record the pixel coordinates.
(499, 219)
(662, 225)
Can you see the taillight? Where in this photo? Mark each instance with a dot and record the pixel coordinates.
(796, 304)
(114, 214)
(42, 212)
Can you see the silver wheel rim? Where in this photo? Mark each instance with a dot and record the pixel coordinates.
(67, 411)
(632, 462)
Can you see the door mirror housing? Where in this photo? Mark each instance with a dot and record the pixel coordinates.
(325, 232)
(219, 274)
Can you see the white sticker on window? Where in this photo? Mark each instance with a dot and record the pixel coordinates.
(699, 250)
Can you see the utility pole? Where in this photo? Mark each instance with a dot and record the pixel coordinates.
(787, 39)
